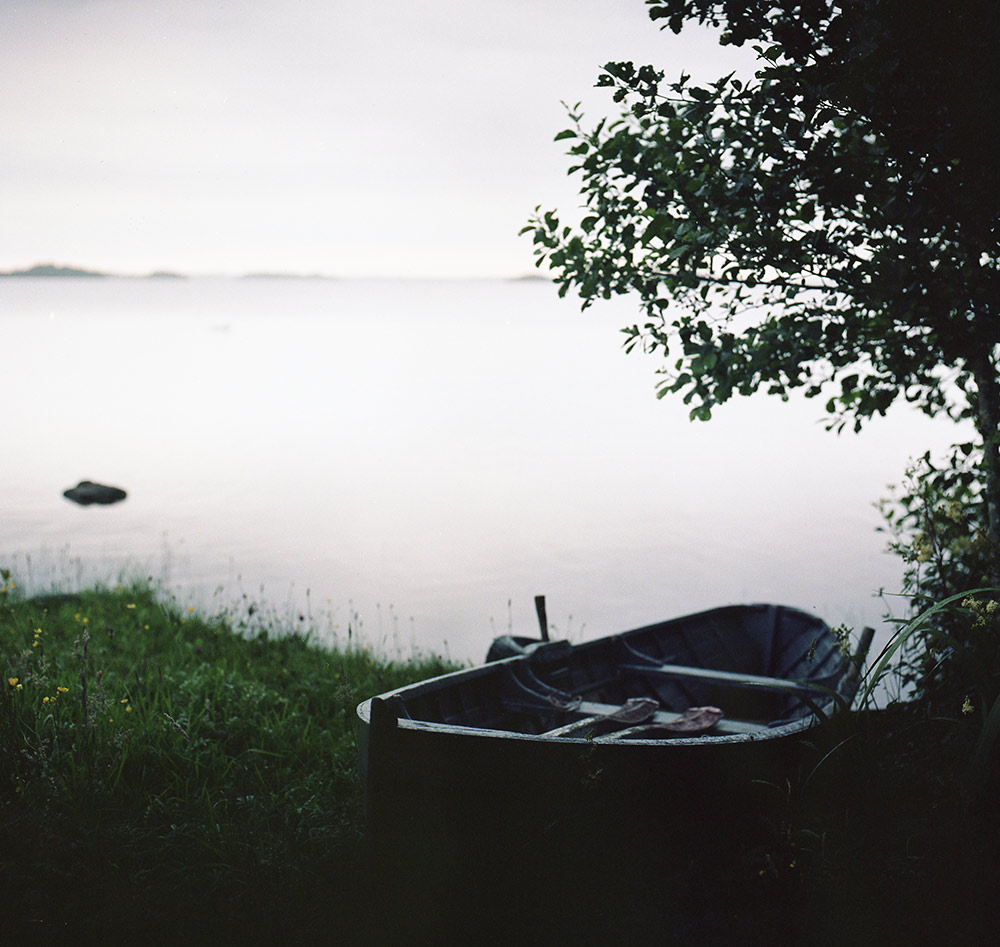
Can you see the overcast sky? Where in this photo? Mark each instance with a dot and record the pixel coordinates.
(402, 137)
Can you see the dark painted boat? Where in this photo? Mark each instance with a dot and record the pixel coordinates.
(670, 731)
(755, 673)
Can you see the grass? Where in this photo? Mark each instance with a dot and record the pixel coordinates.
(170, 780)
(166, 779)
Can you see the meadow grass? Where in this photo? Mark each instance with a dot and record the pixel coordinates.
(168, 779)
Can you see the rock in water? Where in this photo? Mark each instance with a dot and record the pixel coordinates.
(86, 492)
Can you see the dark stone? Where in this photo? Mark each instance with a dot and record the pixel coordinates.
(86, 493)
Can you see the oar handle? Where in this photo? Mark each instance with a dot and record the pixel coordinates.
(543, 622)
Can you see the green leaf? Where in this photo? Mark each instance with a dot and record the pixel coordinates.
(703, 364)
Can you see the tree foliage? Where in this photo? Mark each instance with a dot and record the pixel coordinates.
(830, 225)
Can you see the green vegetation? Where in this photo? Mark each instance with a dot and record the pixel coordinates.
(829, 226)
(935, 520)
(166, 779)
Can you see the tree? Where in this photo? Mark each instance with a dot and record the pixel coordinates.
(831, 225)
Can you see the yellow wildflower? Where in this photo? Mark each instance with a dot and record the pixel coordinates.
(967, 707)
(63, 690)
(130, 605)
(12, 681)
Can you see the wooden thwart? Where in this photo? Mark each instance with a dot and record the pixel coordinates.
(728, 678)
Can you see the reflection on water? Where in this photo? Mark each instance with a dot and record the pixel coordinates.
(417, 455)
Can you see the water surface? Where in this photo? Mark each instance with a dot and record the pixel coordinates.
(410, 457)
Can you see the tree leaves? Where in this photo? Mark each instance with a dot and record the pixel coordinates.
(786, 208)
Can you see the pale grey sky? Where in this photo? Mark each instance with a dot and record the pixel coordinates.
(405, 137)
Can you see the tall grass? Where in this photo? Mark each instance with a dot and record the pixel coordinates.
(166, 777)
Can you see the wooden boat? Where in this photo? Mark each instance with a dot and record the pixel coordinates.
(767, 672)
(663, 729)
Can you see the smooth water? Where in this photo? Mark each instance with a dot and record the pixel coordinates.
(417, 460)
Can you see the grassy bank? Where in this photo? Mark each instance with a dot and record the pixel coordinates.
(164, 779)
(169, 780)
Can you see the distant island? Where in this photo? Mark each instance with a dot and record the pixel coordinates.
(55, 270)
(50, 269)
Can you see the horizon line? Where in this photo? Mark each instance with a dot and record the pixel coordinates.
(49, 270)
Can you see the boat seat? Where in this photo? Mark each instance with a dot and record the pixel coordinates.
(728, 678)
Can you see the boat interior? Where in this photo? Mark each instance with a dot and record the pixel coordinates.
(668, 680)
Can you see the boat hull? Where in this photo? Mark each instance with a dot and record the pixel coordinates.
(462, 808)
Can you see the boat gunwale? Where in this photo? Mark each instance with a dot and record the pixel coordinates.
(806, 722)
(811, 716)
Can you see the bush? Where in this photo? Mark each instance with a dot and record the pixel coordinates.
(935, 521)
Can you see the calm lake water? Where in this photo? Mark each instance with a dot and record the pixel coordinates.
(417, 460)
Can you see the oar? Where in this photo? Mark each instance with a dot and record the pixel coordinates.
(542, 620)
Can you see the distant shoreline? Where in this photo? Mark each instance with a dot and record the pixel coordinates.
(52, 270)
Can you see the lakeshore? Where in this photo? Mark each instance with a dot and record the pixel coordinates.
(169, 778)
